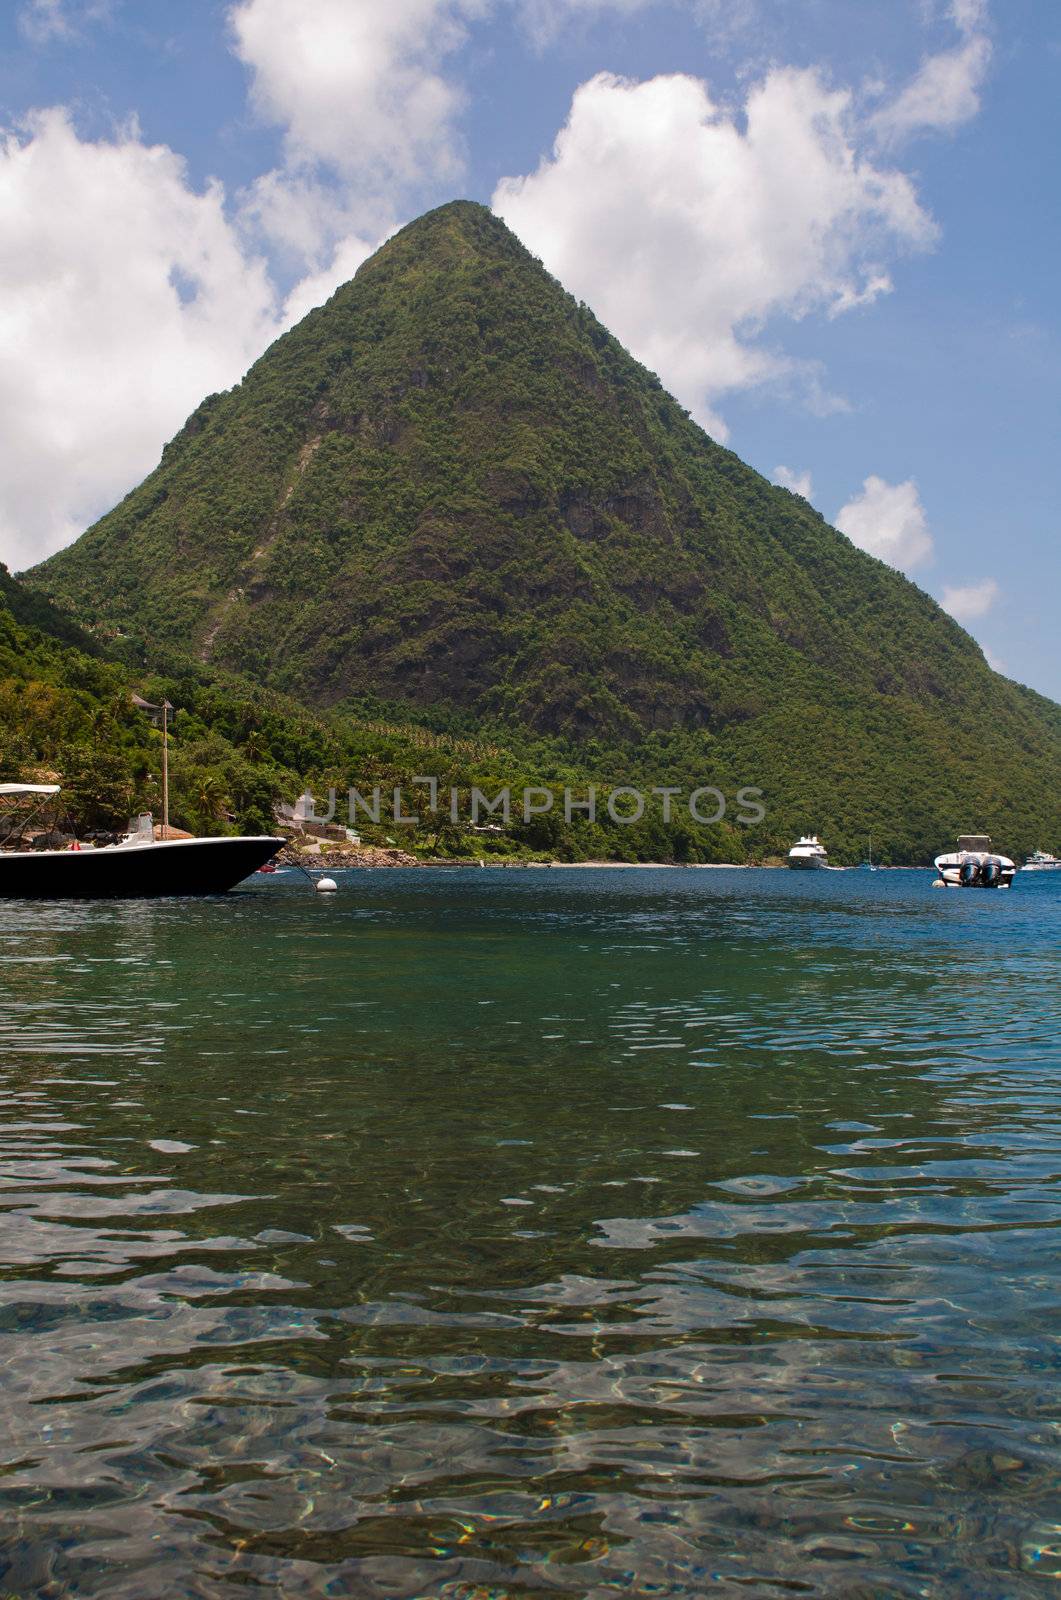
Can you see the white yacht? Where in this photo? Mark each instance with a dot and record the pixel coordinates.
(1042, 861)
(974, 865)
(808, 852)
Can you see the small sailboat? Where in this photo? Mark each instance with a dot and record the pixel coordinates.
(868, 865)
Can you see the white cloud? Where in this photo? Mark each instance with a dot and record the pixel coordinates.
(314, 289)
(945, 90)
(686, 226)
(306, 221)
(888, 521)
(355, 83)
(45, 21)
(543, 20)
(966, 602)
(798, 482)
(366, 113)
(996, 663)
(125, 297)
(725, 20)
(968, 15)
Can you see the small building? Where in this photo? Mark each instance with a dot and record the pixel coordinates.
(299, 819)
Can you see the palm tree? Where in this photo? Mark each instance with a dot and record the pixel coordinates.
(210, 802)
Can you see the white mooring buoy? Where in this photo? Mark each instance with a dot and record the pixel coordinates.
(326, 885)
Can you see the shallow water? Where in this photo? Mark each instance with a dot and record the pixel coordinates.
(532, 1233)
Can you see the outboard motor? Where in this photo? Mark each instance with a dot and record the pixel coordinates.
(968, 873)
(991, 872)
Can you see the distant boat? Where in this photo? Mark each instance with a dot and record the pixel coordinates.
(1042, 861)
(867, 865)
(808, 854)
(138, 867)
(974, 865)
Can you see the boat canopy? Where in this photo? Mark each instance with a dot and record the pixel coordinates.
(29, 788)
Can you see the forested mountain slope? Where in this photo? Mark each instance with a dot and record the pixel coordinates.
(450, 493)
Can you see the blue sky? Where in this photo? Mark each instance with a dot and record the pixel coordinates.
(832, 227)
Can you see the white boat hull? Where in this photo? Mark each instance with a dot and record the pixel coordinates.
(972, 869)
(952, 881)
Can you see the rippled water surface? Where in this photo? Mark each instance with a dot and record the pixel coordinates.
(508, 1234)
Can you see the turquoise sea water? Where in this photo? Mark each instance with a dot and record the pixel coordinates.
(495, 1234)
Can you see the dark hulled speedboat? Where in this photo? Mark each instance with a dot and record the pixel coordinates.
(138, 867)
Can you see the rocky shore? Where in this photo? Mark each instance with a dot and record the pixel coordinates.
(339, 856)
(345, 856)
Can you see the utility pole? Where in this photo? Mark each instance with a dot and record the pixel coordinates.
(166, 709)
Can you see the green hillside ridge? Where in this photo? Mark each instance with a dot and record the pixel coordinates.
(235, 751)
(35, 611)
(450, 493)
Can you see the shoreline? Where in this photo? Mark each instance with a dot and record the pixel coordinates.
(654, 866)
(375, 859)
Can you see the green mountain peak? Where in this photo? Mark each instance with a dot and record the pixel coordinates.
(451, 491)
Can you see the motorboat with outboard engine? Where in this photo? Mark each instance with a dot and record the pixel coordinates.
(974, 865)
(808, 852)
(139, 866)
(1042, 861)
